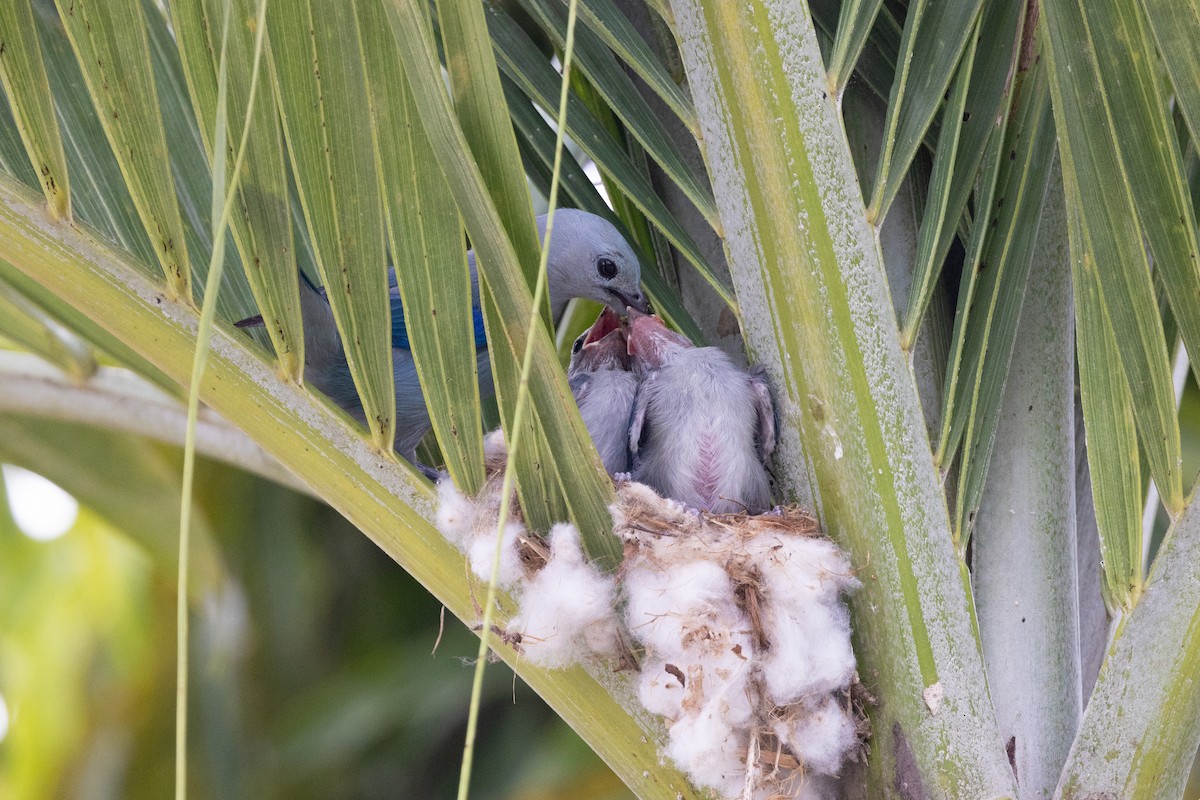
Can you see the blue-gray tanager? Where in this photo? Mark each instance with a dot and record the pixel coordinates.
(702, 430)
(604, 387)
(588, 258)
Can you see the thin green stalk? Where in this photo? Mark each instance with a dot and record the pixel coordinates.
(222, 203)
(539, 292)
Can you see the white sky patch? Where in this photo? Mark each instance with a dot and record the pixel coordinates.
(593, 173)
(41, 509)
(3, 719)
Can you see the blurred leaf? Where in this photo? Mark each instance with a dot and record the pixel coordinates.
(79, 458)
(120, 401)
(98, 336)
(78, 658)
(25, 323)
(23, 75)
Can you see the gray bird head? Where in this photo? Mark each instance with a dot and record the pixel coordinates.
(601, 347)
(589, 258)
(651, 344)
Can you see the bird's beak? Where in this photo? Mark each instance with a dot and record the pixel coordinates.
(635, 301)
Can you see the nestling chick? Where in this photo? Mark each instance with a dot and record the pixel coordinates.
(703, 430)
(604, 388)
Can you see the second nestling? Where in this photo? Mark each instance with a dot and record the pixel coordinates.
(698, 429)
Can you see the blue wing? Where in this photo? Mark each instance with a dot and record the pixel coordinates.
(400, 330)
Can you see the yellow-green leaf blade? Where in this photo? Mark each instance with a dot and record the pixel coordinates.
(429, 254)
(110, 43)
(576, 467)
(321, 85)
(23, 75)
(936, 223)
(477, 98)
(262, 228)
(483, 115)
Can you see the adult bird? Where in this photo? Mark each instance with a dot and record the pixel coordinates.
(703, 429)
(588, 258)
(604, 388)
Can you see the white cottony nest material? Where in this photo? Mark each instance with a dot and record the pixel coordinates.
(567, 608)
(566, 604)
(741, 620)
(747, 641)
(471, 526)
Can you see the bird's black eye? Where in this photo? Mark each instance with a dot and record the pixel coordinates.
(607, 268)
(575, 348)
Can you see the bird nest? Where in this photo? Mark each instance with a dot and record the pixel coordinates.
(735, 624)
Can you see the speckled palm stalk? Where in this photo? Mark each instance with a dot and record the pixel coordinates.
(797, 238)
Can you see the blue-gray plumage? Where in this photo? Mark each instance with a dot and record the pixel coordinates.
(702, 430)
(604, 387)
(588, 258)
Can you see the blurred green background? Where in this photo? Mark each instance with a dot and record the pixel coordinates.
(313, 671)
